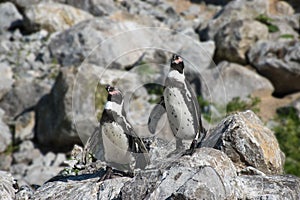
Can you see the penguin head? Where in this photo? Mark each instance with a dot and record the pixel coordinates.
(177, 63)
(114, 94)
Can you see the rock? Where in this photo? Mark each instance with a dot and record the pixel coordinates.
(235, 39)
(190, 183)
(54, 127)
(247, 142)
(80, 43)
(23, 127)
(6, 161)
(279, 62)
(27, 153)
(9, 16)
(6, 80)
(54, 16)
(228, 80)
(95, 7)
(233, 11)
(267, 187)
(81, 187)
(7, 190)
(24, 193)
(23, 95)
(218, 160)
(5, 136)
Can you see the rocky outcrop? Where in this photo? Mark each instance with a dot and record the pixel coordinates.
(279, 62)
(54, 16)
(234, 40)
(228, 80)
(239, 141)
(248, 143)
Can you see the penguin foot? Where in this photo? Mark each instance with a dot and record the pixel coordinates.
(110, 173)
(192, 148)
(107, 175)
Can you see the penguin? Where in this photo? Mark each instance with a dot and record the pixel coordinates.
(115, 141)
(181, 105)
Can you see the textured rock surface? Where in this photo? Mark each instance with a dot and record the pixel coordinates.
(6, 80)
(9, 16)
(247, 142)
(267, 187)
(235, 10)
(235, 39)
(279, 62)
(54, 125)
(5, 134)
(229, 80)
(54, 16)
(7, 191)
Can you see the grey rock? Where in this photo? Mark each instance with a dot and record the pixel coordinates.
(83, 41)
(179, 180)
(5, 136)
(5, 162)
(24, 193)
(7, 191)
(228, 80)
(233, 11)
(38, 175)
(247, 142)
(7, 80)
(54, 127)
(234, 40)
(54, 16)
(279, 62)
(95, 7)
(9, 16)
(23, 127)
(218, 160)
(59, 160)
(83, 187)
(23, 95)
(27, 153)
(267, 187)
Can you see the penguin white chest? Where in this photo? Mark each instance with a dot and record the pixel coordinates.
(179, 116)
(115, 143)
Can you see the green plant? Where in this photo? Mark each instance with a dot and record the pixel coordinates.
(236, 104)
(267, 21)
(288, 134)
(287, 36)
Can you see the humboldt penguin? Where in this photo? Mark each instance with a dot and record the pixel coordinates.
(181, 105)
(116, 142)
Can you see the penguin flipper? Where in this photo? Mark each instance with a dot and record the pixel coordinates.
(155, 115)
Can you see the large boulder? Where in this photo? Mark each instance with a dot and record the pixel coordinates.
(228, 80)
(248, 143)
(234, 11)
(54, 16)
(235, 39)
(278, 62)
(53, 113)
